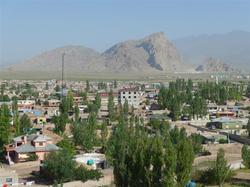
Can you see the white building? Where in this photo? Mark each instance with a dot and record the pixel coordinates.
(131, 94)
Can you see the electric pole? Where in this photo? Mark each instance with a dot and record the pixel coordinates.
(63, 54)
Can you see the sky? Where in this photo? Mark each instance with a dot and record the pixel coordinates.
(29, 27)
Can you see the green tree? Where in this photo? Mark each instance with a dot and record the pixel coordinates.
(60, 123)
(25, 124)
(84, 134)
(2, 91)
(111, 106)
(125, 108)
(157, 155)
(70, 100)
(67, 145)
(76, 111)
(245, 154)
(196, 140)
(84, 174)
(98, 100)
(222, 170)
(84, 96)
(92, 107)
(248, 127)
(4, 125)
(104, 133)
(15, 112)
(248, 90)
(115, 84)
(59, 166)
(117, 151)
(46, 86)
(185, 157)
(87, 86)
(175, 109)
(169, 162)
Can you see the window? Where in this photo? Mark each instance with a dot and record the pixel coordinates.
(134, 96)
(129, 96)
(40, 143)
(129, 92)
(123, 96)
(123, 92)
(134, 92)
(9, 180)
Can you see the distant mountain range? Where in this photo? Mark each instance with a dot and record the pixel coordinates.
(232, 48)
(151, 54)
(212, 65)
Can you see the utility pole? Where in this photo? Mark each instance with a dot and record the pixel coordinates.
(63, 54)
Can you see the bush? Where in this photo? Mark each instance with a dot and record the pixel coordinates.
(223, 141)
(32, 157)
(83, 174)
(60, 166)
(245, 154)
(207, 176)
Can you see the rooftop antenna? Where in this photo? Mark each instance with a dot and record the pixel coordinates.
(63, 54)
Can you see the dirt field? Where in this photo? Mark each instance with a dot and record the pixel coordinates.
(232, 153)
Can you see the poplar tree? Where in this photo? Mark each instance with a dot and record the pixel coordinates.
(98, 100)
(185, 157)
(111, 106)
(16, 121)
(4, 125)
(245, 154)
(222, 170)
(87, 86)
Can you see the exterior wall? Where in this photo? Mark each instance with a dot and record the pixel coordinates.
(37, 144)
(77, 99)
(54, 103)
(131, 96)
(22, 156)
(25, 104)
(232, 125)
(8, 178)
(41, 155)
(104, 101)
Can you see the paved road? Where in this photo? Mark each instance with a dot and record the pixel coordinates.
(233, 137)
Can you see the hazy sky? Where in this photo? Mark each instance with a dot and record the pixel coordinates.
(28, 27)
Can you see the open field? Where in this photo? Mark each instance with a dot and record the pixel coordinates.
(10, 75)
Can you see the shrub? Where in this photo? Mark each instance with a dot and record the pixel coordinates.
(83, 174)
(32, 157)
(223, 141)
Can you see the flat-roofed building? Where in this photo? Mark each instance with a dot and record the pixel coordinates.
(132, 95)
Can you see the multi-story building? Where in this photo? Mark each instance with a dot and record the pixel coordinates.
(132, 95)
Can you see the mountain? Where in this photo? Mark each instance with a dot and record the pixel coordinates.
(153, 53)
(232, 48)
(212, 65)
(77, 58)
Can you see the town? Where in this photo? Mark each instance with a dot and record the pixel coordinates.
(124, 133)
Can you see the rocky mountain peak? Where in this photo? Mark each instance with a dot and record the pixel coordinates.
(214, 65)
(158, 36)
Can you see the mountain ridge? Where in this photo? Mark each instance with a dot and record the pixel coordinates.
(153, 53)
(232, 48)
